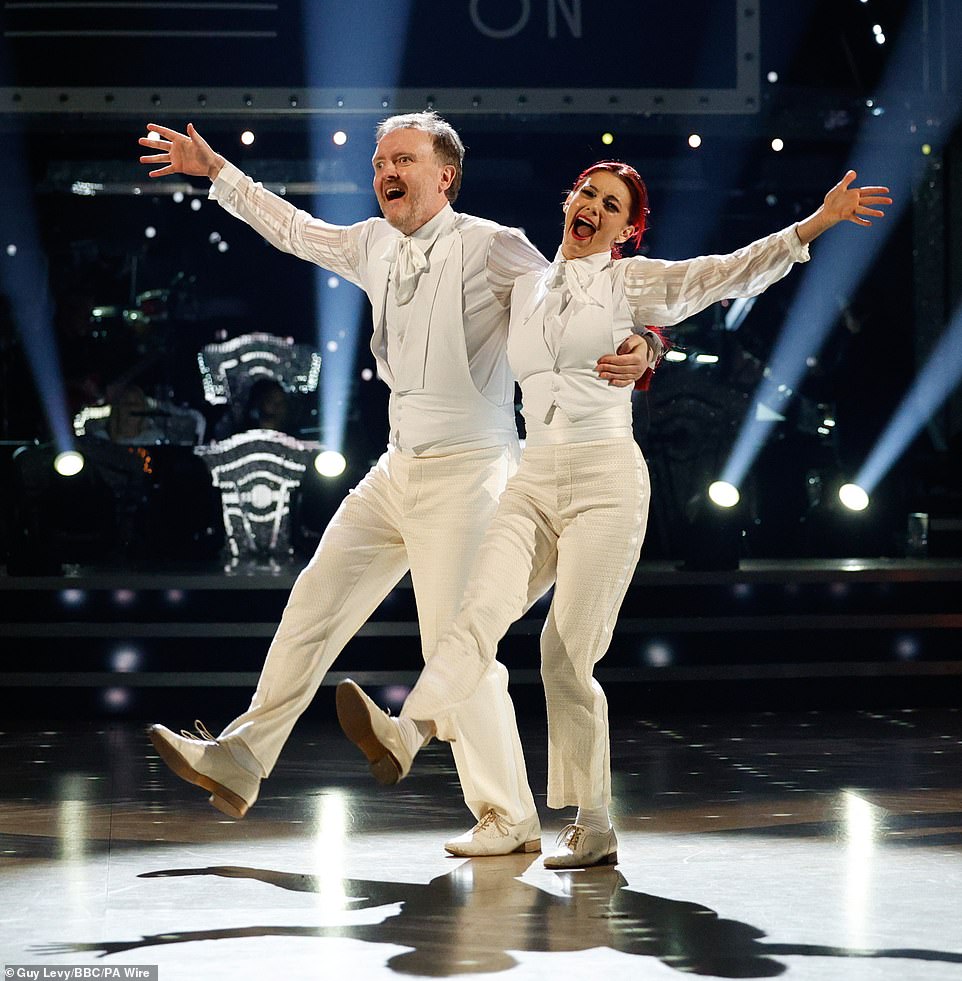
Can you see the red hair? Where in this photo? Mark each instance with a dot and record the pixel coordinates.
(638, 212)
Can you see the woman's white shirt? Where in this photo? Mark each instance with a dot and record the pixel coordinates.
(566, 317)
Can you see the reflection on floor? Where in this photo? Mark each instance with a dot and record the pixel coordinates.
(808, 845)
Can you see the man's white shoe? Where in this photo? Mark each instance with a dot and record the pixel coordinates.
(206, 762)
(492, 835)
(374, 732)
(579, 848)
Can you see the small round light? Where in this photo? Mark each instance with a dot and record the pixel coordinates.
(694, 141)
(69, 463)
(366, 374)
(855, 498)
(222, 246)
(333, 282)
(724, 494)
(607, 138)
(339, 138)
(195, 205)
(778, 144)
(772, 77)
(150, 232)
(329, 463)
(926, 149)
(11, 249)
(178, 197)
(125, 659)
(331, 346)
(247, 137)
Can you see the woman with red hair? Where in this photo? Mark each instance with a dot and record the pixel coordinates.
(579, 500)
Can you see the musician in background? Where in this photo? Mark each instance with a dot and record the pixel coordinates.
(133, 419)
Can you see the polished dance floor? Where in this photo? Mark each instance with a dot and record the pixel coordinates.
(808, 845)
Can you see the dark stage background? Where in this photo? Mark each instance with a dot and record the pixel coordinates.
(108, 279)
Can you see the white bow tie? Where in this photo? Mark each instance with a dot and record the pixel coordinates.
(574, 277)
(408, 262)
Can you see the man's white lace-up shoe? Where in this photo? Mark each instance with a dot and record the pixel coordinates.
(579, 848)
(204, 761)
(492, 835)
(374, 732)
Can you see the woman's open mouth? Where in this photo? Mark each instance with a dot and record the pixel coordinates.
(582, 229)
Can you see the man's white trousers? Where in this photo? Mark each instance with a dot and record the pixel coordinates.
(429, 515)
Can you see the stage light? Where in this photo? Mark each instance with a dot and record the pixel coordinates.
(11, 249)
(694, 141)
(675, 355)
(926, 149)
(195, 204)
(178, 197)
(706, 359)
(658, 655)
(907, 647)
(339, 138)
(333, 282)
(772, 77)
(222, 246)
(723, 494)
(366, 374)
(331, 346)
(68, 463)
(607, 138)
(853, 497)
(117, 698)
(778, 145)
(150, 232)
(330, 463)
(125, 659)
(247, 137)
(213, 238)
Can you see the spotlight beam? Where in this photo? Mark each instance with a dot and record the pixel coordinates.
(331, 53)
(934, 384)
(836, 268)
(23, 278)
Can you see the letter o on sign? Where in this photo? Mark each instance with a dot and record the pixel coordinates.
(503, 32)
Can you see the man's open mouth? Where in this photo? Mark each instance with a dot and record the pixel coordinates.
(394, 193)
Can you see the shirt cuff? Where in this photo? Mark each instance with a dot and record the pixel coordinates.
(798, 252)
(227, 180)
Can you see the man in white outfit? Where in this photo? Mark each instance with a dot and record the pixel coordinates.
(439, 284)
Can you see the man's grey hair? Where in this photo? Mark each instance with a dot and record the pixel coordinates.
(448, 147)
